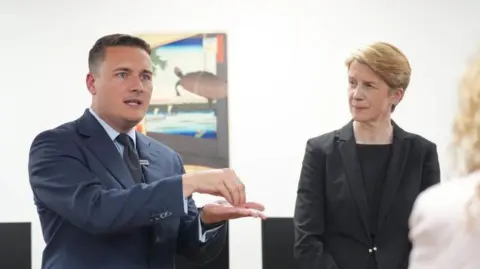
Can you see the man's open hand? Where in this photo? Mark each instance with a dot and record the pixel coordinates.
(222, 211)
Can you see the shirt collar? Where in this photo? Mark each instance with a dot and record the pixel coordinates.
(110, 131)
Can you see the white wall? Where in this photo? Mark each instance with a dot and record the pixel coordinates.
(287, 80)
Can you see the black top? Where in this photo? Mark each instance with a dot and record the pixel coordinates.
(374, 161)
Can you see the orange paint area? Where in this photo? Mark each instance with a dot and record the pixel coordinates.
(141, 128)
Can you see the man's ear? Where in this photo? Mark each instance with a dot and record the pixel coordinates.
(90, 81)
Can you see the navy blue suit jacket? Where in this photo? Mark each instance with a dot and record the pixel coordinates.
(92, 213)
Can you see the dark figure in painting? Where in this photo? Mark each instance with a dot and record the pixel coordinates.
(202, 83)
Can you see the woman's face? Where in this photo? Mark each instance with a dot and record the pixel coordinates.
(370, 98)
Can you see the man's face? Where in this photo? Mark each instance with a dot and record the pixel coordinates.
(121, 86)
(369, 96)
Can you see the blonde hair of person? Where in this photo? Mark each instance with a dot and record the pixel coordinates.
(466, 131)
(387, 61)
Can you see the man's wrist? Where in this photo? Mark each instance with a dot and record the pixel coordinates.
(188, 185)
(209, 224)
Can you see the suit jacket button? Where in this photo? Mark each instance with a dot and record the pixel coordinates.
(164, 215)
(155, 218)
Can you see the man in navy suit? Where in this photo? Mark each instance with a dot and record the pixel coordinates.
(110, 197)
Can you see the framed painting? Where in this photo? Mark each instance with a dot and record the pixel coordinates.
(189, 107)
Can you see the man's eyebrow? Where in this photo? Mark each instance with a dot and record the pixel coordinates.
(122, 69)
(147, 71)
(144, 71)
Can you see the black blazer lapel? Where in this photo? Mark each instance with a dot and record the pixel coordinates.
(348, 150)
(396, 166)
(100, 144)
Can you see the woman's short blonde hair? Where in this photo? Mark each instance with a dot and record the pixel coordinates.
(387, 61)
(466, 129)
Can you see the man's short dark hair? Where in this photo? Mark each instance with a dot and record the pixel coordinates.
(97, 52)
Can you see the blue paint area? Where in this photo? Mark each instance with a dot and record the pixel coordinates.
(206, 135)
(196, 42)
(201, 124)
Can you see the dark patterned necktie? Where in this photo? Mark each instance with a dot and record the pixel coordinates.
(130, 157)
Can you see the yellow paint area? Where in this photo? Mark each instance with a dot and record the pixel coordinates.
(195, 168)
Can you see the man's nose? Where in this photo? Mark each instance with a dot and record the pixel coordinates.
(137, 90)
(136, 85)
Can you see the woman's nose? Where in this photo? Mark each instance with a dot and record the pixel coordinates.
(357, 95)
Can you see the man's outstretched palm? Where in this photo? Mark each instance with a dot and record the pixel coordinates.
(222, 210)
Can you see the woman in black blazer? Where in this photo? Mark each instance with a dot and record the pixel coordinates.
(358, 184)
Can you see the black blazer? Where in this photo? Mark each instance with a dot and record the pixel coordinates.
(330, 220)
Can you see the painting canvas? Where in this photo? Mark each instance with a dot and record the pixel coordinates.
(189, 108)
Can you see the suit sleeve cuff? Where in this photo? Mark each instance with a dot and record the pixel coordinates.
(185, 205)
(206, 232)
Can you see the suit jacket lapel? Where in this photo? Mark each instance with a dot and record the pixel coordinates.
(100, 144)
(145, 153)
(348, 150)
(398, 160)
